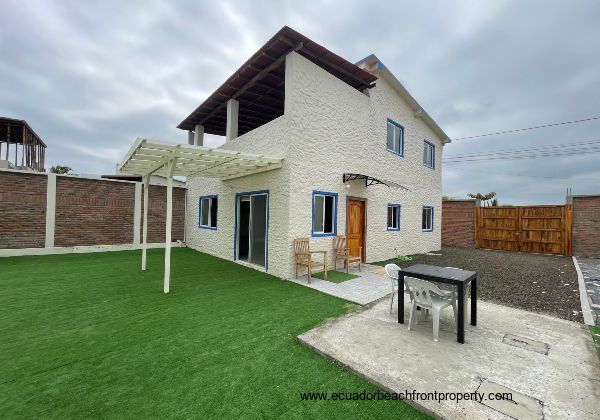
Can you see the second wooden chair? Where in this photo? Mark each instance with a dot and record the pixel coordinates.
(341, 251)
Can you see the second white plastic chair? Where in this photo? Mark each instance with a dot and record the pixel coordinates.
(392, 271)
(429, 297)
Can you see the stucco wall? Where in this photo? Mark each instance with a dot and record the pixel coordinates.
(343, 130)
(272, 140)
(329, 128)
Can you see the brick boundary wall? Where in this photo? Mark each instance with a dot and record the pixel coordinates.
(88, 211)
(93, 212)
(22, 210)
(586, 226)
(458, 223)
(157, 214)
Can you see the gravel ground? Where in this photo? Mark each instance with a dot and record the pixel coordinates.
(534, 282)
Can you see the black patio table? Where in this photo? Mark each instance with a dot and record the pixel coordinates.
(457, 277)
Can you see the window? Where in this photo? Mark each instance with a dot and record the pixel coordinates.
(208, 212)
(429, 154)
(324, 214)
(395, 137)
(427, 219)
(393, 217)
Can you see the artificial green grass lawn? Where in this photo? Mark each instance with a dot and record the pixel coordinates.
(596, 336)
(91, 335)
(334, 276)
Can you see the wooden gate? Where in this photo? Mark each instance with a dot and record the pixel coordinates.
(540, 229)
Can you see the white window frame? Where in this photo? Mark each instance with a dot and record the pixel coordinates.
(323, 195)
(201, 205)
(395, 220)
(428, 154)
(429, 223)
(399, 141)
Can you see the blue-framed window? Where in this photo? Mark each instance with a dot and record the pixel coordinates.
(207, 212)
(395, 138)
(428, 154)
(324, 213)
(393, 217)
(427, 219)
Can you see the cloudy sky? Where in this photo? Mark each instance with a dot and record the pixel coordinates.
(90, 77)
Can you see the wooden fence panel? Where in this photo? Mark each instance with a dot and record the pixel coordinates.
(539, 229)
(542, 230)
(498, 227)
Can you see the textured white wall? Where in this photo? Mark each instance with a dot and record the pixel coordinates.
(270, 139)
(329, 128)
(343, 130)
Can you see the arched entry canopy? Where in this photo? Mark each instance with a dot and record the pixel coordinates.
(150, 157)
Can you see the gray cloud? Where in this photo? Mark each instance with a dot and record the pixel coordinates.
(90, 77)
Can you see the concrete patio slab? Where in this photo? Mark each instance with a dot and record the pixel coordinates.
(526, 343)
(519, 407)
(371, 285)
(564, 383)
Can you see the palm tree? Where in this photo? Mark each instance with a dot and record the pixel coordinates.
(58, 169)
(484, 198)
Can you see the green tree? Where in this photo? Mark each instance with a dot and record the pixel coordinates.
(484, 198)
(58, 169)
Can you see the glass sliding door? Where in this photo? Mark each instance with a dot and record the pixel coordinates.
(258, 231)
(251, 235)
(243, 223)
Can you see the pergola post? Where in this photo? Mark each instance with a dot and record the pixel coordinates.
(169, 220)
(146, 180)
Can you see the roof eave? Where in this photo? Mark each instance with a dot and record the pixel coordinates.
(272, 49)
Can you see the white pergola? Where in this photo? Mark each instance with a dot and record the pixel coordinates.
(150, 157)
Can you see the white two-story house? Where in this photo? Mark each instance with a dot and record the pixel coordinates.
(361, 158)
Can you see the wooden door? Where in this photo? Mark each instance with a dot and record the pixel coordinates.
(355, 227)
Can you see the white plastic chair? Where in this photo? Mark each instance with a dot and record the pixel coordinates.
(392, 271)
(429, 297)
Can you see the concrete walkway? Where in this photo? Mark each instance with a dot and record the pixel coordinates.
(590, 269)
(371, 285)
(549, 365)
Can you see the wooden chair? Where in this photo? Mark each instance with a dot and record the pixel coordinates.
(303, 256)
(342, 252)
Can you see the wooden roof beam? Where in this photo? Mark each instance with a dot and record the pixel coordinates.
(259, 76)
(325, 63)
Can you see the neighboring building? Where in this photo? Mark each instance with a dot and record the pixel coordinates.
(20, 146)
(361, 158)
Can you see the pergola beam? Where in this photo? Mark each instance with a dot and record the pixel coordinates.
(147, 157)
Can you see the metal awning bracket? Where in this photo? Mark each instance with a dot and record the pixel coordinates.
(369, 180)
